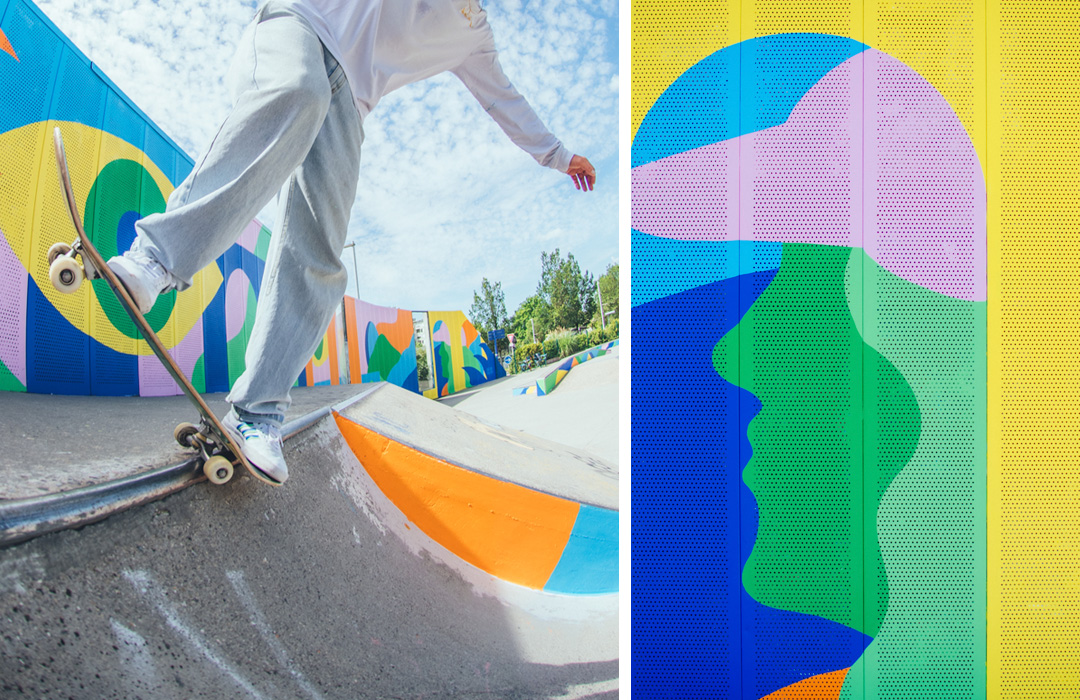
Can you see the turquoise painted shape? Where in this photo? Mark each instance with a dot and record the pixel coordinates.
(737, 90)
(590, 562)
(664, 266)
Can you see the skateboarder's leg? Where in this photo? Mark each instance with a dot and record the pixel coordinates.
(281, 93)
(304, 279)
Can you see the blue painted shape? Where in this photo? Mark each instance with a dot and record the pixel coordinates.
(738, 90)
(476, 376)
(371, 337)
(697, 633)
(41, 47)
(214, 343)
(371, 377)
(665, 266)
(404, 373)
(125, 230)
(590, 562)
(61, 359)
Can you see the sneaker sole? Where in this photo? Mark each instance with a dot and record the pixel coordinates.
(239, 440)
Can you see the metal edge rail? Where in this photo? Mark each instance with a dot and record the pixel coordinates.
(25, 519)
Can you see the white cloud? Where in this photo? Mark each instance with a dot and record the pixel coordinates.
(444, 198)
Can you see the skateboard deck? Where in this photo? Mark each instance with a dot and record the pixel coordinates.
(217, 448)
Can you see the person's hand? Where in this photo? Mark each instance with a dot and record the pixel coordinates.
(582, 173)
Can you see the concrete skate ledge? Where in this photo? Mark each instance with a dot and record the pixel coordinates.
(24, 519)
(545, 386)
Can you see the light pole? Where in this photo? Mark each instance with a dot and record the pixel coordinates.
(356, 274)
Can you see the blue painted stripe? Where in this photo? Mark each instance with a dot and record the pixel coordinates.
(590, 563)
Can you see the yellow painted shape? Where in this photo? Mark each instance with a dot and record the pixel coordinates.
(1033, 217)
(933, 38)
(42, 219)
(431, 393)
(560, 374)
(509, 531)
(454, 320)
(318, 360)
(825, 686)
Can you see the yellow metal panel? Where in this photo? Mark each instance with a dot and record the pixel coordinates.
(668, 38)
(1034, 435)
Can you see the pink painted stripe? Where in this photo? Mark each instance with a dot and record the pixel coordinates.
(14, 282)
(249, 237)
(872, 157)
(155, 380)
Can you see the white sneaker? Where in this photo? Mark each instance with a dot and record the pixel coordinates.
(144, 277)
(260, 443)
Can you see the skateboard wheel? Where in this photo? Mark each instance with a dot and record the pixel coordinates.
(66, 275)
(184, 432)
(218, 469)
(57, 250)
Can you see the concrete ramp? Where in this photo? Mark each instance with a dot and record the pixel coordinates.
(349, 582)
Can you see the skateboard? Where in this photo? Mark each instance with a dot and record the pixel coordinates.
(219, 452)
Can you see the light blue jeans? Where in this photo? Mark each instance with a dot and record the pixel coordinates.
(294, 131)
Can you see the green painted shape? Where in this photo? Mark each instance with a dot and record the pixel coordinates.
(444, 363)
(383, 358)
(932, 519)
(822, 456)
(262, 245)
(8, 380)
(319, 350)
(123, 186)
(237, 347)
(198, 375)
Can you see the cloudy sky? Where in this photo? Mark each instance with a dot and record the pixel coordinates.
(444, 198)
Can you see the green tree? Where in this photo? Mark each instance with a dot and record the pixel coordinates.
(569, 292)
(608, 285)
(422, 371)
(488, 310)
(533, 312)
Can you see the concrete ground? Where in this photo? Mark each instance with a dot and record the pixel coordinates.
(318, 589)
(58, 443)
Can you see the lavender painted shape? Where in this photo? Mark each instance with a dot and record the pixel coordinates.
(871, 157)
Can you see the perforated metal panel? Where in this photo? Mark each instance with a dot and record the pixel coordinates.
(1034, 147)
(809, 342)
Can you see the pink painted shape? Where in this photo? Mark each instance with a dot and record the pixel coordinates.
(320, 373)
(236, 297)
(14, 281)
(379, 315)
(442, 335)
(249, 238)
(154, 379)
(907, 188)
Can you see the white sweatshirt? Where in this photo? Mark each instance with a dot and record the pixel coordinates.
(385, 44)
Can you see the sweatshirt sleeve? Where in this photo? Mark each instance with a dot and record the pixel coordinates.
(484, 78)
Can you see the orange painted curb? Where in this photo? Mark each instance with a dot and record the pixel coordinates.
(509, 531)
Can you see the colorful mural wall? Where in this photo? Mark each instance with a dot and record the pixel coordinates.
(382, 346)
(461, 358)
(809, 210)
(123, 168)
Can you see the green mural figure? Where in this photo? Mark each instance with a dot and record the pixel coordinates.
(838, 422)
